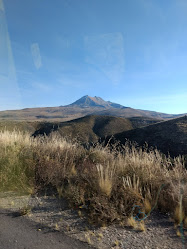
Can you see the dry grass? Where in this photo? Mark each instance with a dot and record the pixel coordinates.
(178, 233)
(185, 222)
(105, 178)
(142, 226)
(147, 206)
(178, 215)
(107, 181)
(25, 210)
(132, 222)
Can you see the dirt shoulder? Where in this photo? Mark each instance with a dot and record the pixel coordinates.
(55, 215)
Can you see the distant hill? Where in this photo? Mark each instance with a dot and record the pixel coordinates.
(168, 136)
(23, 126)
(90, 128)
(84, 106)
(87, 129)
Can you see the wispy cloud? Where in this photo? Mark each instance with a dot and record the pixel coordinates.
(1, 5)
(41, 86)
(35, 50)
(106, 52)
(70, 82)
(161, 58)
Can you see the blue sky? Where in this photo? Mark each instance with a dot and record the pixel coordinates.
(132, 52)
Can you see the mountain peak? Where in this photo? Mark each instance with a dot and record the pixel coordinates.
(88, 101)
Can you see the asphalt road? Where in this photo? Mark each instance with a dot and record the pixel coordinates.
(16, 232)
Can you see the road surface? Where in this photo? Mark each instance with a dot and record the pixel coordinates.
(17, 232)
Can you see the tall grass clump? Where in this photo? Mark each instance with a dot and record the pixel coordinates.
(108, 182)
(16, 161)
(105, 178)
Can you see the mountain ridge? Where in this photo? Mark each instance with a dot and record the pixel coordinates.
(82, 107)
(87, 100)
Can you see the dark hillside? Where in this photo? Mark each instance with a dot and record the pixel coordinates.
(87, 129)
(19, 125)
(168, 136)
(138, 122)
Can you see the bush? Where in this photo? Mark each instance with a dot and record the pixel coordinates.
(110, 182)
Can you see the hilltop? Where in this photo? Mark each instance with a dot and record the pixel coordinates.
(87, 101)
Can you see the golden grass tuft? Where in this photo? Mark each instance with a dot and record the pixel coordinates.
(147, 206)
(25, 210)
(60, 191)
(100, 235)
(178, 233)
(88, 239)
(105, 178)
(141, 226)
(57, 227)
(80, 213)
(92, 233)
(178, 214)
(116, 243)
(73, 171)
(132, 222)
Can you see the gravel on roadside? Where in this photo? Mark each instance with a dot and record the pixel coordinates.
(54, 213)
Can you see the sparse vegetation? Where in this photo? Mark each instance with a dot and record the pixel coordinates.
(132, 222)
(25, 210)
(142, 226)
(107, 183)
